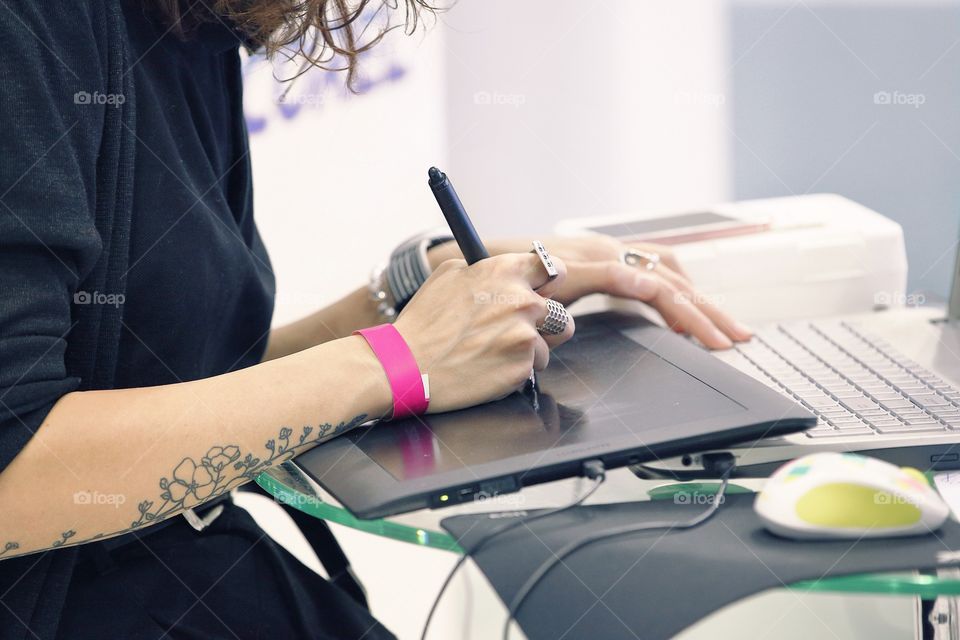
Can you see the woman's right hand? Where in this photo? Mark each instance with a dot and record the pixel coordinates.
(473, 329)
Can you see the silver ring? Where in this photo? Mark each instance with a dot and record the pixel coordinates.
(556, 321)
(545, 260)
(638, 258)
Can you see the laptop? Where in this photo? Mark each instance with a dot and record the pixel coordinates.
(623, 390)
(885, 384)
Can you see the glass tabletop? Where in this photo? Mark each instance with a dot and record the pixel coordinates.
(289, 485)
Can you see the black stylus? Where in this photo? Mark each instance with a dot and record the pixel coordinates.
(463, 231)
(471, 246)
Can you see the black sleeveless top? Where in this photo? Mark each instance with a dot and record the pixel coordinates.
(128, 251)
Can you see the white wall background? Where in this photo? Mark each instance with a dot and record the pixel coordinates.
(341, 178)
(595, 107)
(567, 109)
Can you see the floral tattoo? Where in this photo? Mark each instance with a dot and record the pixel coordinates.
(193, 482)
(224, 467)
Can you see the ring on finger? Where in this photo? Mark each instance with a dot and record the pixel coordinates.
(641, 259)
(556, 321)
(545, 260)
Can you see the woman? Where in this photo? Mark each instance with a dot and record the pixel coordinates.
(139, 376)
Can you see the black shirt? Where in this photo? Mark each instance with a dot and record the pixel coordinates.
(128, 250)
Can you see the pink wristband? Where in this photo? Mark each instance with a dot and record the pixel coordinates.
(411, 390)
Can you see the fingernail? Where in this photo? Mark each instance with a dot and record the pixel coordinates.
(721, 339)
(739, 327)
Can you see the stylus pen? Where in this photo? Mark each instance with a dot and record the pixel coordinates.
(463, 231)
(471, 246)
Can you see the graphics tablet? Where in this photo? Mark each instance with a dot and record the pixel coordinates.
(622, 390)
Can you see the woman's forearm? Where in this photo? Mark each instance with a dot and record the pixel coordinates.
(352, 312)
(107, 462)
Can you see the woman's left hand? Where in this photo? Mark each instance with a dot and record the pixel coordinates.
(595, 265)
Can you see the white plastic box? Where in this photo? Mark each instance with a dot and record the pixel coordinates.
(820, 254)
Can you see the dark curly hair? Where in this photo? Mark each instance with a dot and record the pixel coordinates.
(322, 32)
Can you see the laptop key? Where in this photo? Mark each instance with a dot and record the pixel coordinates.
(820, 403)
(859, 404)
(900, 403)
(878, 424)
(928, 422)
(929, 401)
(912, 428)
(845, 421)
(884, 397)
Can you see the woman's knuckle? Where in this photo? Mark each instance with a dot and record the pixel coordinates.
(449, 265)
(526, 335)
(528, 299)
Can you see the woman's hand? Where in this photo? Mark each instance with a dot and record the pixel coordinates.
(595, 265)
(473, 329)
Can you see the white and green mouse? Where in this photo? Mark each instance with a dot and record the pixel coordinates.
(843, 495)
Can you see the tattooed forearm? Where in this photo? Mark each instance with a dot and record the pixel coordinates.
(193, 481)
(222, 469)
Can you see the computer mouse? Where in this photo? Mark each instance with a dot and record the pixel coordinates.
(825, 496)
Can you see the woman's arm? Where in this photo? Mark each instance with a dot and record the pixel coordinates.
(107, 462)
(594, 267)
(103, 463)
(352, 312)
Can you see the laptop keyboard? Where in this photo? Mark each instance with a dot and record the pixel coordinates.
(855, 383)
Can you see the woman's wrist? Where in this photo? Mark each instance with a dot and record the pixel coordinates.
(373, 386)
(365, 385)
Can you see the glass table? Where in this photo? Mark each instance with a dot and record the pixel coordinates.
(289, 485)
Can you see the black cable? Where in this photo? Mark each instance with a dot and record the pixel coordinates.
(576, 545)
(592, 469)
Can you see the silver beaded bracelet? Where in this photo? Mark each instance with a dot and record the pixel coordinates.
(393, 285)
